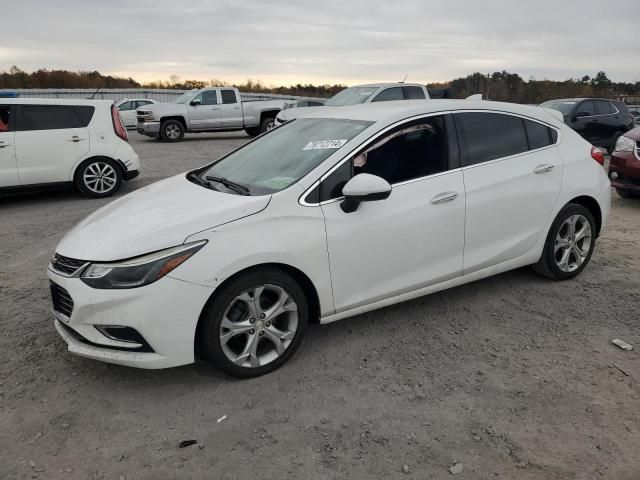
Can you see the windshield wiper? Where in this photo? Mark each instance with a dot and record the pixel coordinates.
(237, 187)
(201, 181)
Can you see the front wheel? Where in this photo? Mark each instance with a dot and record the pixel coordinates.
(98, 177)
(171, 130)
(569, 244)
(255, 323)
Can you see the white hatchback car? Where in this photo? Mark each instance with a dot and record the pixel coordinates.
(45, 142)
(325, 217)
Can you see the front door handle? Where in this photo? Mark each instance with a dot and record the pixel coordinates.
(444, 197)
(2, 144)
(75, 138)
(543, 168)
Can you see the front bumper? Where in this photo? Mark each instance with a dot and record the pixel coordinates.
(627, 167)
(150, 129)
(164, 313)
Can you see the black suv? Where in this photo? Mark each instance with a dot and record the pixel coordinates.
(598, 120)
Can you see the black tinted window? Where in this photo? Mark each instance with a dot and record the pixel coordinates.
(604, 108)
(487, 136)
(586, 108)
(5, 118)
(537, 134)
(413, 93)
(411, 151)
(51, 117)
(394, 93)
(331, 187)
(228, 96)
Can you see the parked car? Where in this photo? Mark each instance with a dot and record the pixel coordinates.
(624, 167)
(207, 110)
(636, 115)
(64, 142)
(598, 120)
(304, 104)
(375, 92)
(344, 211)
(128, 107)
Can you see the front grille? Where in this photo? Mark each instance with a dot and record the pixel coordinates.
(66, 265)
(62, 301)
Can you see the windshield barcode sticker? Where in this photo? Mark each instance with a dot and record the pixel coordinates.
(325, 144)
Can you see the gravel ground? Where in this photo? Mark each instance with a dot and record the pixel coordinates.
(512, 377)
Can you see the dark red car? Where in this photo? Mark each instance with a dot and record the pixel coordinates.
(624, 169)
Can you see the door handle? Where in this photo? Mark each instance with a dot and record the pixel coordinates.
(75, 138)
(236, 108)
(543, 168)
(215, 108)
(444, 197)
(2, 144)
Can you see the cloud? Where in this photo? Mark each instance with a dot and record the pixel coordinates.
(329, 41)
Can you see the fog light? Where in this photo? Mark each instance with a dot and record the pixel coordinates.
(613, 175)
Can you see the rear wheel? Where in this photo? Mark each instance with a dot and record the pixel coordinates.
(267, 124)
(255, 323)
(253, 131)
(172, 130)
(98, 177)
(569, 244)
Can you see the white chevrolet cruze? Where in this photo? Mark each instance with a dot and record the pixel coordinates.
(328, 216)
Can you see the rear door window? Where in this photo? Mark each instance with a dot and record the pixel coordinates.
(413, 93)
(228, 96)
(586, 108)
(53, 117)
(604, 108)
(394, 93)
(489, 136)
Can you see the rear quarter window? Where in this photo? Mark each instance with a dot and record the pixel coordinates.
(538, 135)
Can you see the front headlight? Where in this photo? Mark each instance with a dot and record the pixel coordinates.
(138, 271)
(146, 114)
(625, 144)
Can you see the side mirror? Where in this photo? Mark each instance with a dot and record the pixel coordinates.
(195, 102)
(364, 188)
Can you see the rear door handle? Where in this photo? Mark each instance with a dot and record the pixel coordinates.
(543, 168)
(444, 197)
(75, 138)
(2, 144)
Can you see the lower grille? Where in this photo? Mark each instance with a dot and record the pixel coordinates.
(62, 301)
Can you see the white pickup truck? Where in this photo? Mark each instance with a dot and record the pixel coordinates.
(207, 110)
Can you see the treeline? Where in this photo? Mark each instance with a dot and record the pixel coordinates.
(502, 86)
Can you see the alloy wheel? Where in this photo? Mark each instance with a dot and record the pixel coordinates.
(172, 131)
(100, 177)
(258, 326)
(573, 243)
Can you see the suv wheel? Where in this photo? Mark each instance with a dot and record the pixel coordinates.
(569, 244)
(98, 177)
(255, 323)
(171, 131)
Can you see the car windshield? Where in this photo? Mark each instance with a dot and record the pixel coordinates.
(283, 156)
(185, 97)
(563, 106)
(351, 96)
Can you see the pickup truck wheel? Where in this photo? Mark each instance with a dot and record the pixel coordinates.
(171, 131)
(253, 131)
(267, 124)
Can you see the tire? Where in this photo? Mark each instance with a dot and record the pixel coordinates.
(172, 130)
(98, 177)
(267, 124)
(229, 349)
(626, 193)
(551, 263)
(612, 146)
(253, 131)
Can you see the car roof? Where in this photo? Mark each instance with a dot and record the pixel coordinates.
(388, 84)
(393, 111)
(54, 101)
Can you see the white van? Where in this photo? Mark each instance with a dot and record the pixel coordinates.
(46, 142)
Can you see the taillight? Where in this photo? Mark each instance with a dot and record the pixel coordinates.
(597, 155)
(117, 124)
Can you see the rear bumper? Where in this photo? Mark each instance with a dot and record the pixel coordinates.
(130, 174)
(625, 166)
(150, 129)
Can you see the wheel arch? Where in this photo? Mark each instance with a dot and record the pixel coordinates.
(593, 206)
(299, 276)
(268, 114)
(179, 118)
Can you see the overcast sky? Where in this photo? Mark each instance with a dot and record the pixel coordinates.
(324, 41)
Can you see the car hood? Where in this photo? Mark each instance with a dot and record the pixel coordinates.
(165, 108)
(158, 216)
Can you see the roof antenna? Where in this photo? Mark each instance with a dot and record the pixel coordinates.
(405, 77)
